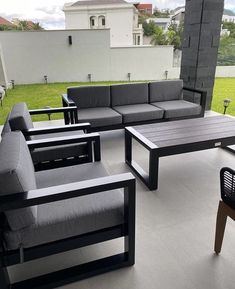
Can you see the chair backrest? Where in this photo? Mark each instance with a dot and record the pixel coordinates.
(17, 175)
(90, 96)
(125, 94)
(165, 90)
(6, 126)
(19, 118)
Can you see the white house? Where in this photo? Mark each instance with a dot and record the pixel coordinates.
(117, 15)
(228, 18)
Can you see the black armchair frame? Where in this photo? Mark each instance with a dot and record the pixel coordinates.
(93, 146)
(67, 102)
(65, 276)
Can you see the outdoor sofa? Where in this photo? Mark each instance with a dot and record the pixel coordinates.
(117, 106)
(49, 212)
(77, 142)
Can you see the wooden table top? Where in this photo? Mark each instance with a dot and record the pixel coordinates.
(188, 131)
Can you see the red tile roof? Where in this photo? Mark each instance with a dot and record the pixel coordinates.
(3, 21)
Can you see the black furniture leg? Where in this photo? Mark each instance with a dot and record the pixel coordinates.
(66, 114)
(153, 170)
(128, 147)
(129, 215)
(4, 278)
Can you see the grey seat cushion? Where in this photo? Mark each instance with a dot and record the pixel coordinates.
(6, 127)
(17, 175)
(58, 152)
(165, 90)
(72, 217)
(178, 108)
(125, 94)
(20, 118)
(139, 112)
(90, 96)
(100, 116)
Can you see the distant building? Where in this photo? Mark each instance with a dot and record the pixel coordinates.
(178, 14)
(164, 23)
(117, 15)
(228, 18)
(145, 8)
(5, 22)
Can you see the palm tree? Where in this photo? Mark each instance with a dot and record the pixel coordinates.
(23, 25)
(37, 26)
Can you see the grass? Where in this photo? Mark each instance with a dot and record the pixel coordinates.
(224, 88)
(41, 95)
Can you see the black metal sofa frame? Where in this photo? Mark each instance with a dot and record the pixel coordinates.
(68, 102)
(53, 194)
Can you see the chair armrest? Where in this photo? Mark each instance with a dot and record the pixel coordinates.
(67, 100)
(203, 94)
(53, 110)
(56, 129)
(69, 191)
(57, 141)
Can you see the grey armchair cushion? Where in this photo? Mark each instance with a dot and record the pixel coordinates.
(129, 94)
(178, 108)
(20, 118)
(165, 90)
(139, 112)
(17, 175)
(100, 116)
(90, 96)
(58, 152)
(71, 217)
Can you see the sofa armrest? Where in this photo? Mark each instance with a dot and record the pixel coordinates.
(69, 191)
(203, 95)
(57, 129)
(67, 100)
(57, 141)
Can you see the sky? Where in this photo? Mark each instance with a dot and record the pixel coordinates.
(50, 15)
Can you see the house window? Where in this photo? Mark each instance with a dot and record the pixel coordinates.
(101, 21)
(92, 21)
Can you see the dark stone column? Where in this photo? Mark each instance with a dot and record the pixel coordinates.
(200, 44)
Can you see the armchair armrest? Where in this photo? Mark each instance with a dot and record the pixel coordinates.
(56, 129)
(68, 191)
(67, 100)
(203, 94)
(57, 141)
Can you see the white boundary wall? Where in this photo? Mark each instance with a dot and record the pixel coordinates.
(31, 55)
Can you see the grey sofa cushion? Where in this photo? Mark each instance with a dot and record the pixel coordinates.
(58, 152)
(17, 175)
(90, 96)
(165, 90)
(178, 108)
(129, 94)
(72, 217)
(139, 112)
(20, 118)
(100, 116)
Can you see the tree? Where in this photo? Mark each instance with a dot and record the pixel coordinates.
(226, 53)
(37, 26)
(174, 35)
(149, 28)
(161, 14)
(159, 37)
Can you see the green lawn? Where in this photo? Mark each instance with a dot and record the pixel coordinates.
(224, 88)
(41, 95)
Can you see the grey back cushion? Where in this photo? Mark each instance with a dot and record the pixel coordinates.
(124, 94)
(166, 90)
(20, 118)
(17, 175)
(90, 96)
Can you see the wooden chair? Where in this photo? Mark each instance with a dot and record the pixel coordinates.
(226, 205)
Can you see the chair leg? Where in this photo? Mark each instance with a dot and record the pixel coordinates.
(220, 227)
(4, 278)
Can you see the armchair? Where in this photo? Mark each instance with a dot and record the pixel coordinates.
(48, 212)
(20, 119)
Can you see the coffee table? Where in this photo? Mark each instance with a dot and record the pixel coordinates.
(176, 137)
